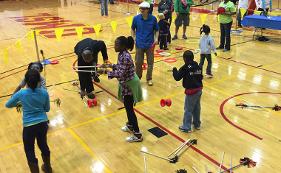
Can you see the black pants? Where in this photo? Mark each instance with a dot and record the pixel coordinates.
(163, 41)
(38, 132)
(132, 118)
(225, 35)
(85, 78)
(168, 17)
(209, 59)
(86, 83)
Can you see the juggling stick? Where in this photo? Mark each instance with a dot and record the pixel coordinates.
(243, 105)
(243, 162)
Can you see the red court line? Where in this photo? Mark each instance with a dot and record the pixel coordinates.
(233, 124)
(167, 130)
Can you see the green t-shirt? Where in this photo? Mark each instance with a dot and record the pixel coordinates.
(229, 7)
(179, 8)
(149, 1)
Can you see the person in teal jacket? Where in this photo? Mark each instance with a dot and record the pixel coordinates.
(182, 9)
(35, 103)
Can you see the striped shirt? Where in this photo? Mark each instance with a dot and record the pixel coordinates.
(124, 71)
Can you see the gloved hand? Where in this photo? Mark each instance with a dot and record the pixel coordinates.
(105, 66)
(107, 62)
(102, 71)
(19, 107)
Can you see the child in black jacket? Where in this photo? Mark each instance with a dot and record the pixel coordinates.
(192, 77)
(164, 29)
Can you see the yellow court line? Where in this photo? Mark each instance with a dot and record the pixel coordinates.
(10, 146)
(120, 111)
(87, 148)
(90, 121)
(147, 102)
(96, 119)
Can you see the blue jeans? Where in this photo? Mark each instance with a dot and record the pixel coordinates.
(192, 109)
(104, 7)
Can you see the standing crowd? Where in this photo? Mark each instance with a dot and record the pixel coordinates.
(146, 32)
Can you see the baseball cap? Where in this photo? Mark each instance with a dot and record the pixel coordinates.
(144, 5)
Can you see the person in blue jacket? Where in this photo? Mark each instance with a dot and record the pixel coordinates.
(35, 103)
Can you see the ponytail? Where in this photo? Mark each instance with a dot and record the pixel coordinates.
(205, 28)
(201, 30)
(130, 43)
(32, 78)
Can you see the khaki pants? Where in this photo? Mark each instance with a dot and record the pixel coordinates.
(139, 62)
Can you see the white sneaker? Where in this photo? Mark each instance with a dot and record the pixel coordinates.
(133, 138)
(149, 82)
(126, 129)
(197, 128)
(209, 75)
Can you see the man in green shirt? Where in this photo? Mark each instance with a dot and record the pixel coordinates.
(225, 20)
(182, 8)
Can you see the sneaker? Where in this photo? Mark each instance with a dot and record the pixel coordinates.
(197, 128)
(184, 37)
(133, 138)
(149, 82)
(91, 95)
(185, 130)
(166, 48)
(126, 129)
(226, 50)
(219, 47)
(209, 75)
(175, 37)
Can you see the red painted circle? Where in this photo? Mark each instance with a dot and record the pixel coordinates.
(170, 60)
(232, 123)
(159, 50)
(179, 48)
(54, 62)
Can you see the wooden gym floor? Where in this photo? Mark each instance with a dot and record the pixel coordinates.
(85, 139)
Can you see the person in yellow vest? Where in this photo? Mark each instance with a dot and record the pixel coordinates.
(225, 20)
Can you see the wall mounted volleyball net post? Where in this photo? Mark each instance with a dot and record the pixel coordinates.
(36, 45)
(128, 8)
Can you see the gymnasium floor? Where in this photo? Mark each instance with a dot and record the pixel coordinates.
(86, 140)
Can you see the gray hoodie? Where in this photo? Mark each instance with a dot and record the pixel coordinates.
(207, 44)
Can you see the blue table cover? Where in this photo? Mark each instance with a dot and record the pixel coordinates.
(270, 22)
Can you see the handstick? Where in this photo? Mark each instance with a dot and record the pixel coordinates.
(183, 144)
(42, 53)
(221, 162)
(195, 169)
(160, 157)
